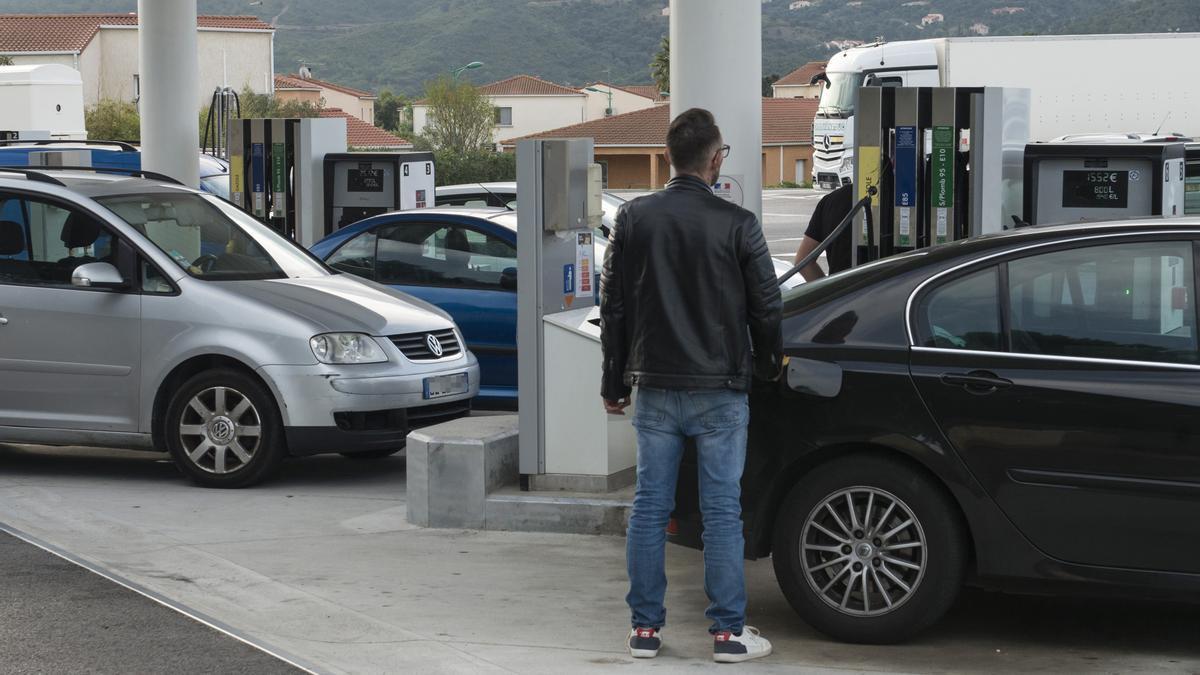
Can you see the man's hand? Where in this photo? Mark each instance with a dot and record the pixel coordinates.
(616, 407)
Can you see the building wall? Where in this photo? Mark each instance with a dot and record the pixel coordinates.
(796, 91)
(622, 102)
(629, 168)
(299, 95)
(363, 109)
(420, 116)
(235, 58)
(534, 114)
(774, 173)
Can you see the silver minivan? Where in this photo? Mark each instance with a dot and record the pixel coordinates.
(138, 313)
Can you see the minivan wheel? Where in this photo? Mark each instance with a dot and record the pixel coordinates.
(869, 550)
(223, 430)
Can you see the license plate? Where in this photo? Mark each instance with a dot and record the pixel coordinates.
(446, 385)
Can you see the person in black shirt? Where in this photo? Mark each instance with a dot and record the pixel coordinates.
(830, 211)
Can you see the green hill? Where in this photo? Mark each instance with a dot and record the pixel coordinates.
(399, 44)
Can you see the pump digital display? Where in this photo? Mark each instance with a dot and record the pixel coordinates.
(1095, 189)
(364, 179)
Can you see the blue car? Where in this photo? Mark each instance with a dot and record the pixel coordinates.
(461, 260)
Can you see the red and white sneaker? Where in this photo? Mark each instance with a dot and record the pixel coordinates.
(644, 643)
(729, 647)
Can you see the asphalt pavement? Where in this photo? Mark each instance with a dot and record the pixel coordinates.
(61, 618)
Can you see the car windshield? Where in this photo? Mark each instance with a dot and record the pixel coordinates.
(217, 184)
(837, 100)
(211, 239)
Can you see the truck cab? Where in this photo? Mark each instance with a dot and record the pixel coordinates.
(900, 64)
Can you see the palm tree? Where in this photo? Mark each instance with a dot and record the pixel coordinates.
(660, 67)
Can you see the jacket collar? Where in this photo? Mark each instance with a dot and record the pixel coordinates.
(688, 183)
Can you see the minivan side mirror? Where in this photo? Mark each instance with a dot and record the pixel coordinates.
(97, 275)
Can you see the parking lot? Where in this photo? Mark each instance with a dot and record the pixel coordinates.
(321, 566)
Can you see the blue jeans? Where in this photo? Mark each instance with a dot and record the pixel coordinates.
(717, 420)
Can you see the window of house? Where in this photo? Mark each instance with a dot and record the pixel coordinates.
(504, 116)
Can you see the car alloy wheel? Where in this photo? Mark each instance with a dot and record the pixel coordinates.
(863, 551)
(220, 430)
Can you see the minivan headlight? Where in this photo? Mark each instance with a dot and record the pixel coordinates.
(341, 348)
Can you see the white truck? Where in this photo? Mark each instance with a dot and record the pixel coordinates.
(1078, 84)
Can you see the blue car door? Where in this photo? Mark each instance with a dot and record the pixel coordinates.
(468, 270)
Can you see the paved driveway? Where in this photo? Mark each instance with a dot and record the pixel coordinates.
(321, 565)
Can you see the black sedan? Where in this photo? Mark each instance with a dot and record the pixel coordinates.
(1018, 411)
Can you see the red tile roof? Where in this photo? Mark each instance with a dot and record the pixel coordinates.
(526, 85)
(802, 75)
(73, 32)
(360, 134)
(329, 85)
(290, 82)
(649, 91)
(786, 121)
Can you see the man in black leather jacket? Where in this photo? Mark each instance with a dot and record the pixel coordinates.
(690, 312)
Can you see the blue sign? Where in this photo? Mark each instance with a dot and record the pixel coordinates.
(906, 166)
(569, 279)
(257, 168)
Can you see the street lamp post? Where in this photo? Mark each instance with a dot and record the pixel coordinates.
(470, 66)
(602, 91)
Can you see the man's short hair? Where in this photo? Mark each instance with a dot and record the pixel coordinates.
(692, 139)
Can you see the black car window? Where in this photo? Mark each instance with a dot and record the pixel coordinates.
(1119, 301)
(42, 243)
(963, 313)
(441, 254)
(356, 256)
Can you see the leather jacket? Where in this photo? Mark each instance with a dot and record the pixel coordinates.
(688, 288)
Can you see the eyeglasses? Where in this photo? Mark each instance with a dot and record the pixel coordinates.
(724, 151)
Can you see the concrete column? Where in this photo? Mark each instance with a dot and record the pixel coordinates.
(170, 77)
(653, 171)
(716, 64)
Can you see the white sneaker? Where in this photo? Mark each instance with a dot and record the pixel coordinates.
(644, 643)
(731, 648)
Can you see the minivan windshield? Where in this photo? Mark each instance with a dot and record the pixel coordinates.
(212, 239)
(837, 100)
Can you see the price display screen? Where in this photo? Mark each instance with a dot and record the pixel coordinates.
(1097, 189)
(364, 179)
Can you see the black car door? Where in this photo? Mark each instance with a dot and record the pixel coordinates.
(1068, 380)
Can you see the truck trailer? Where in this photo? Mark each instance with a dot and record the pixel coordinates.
(1078, 84)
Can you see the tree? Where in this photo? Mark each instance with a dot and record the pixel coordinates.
(389, 110)
(264, 105)
(111, 120)
(660, 67)
(6, 60)
(769, 80)
(460, 118)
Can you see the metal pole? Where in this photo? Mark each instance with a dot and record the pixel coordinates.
(170, 76)
(716, 64)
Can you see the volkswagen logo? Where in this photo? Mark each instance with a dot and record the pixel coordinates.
(435, 346)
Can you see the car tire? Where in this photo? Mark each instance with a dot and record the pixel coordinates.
(372, 454)
(223, 430)
(927, 556)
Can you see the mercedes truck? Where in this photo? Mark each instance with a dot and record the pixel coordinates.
(1078, 84)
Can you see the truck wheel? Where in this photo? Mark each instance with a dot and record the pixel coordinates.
(869, 550)
(223, 430)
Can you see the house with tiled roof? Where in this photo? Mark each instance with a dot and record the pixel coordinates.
(605, 99)
(306, 88)
(630, 147)
(362, 135)
(233, 50)
(524, 105)
(798, 83)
